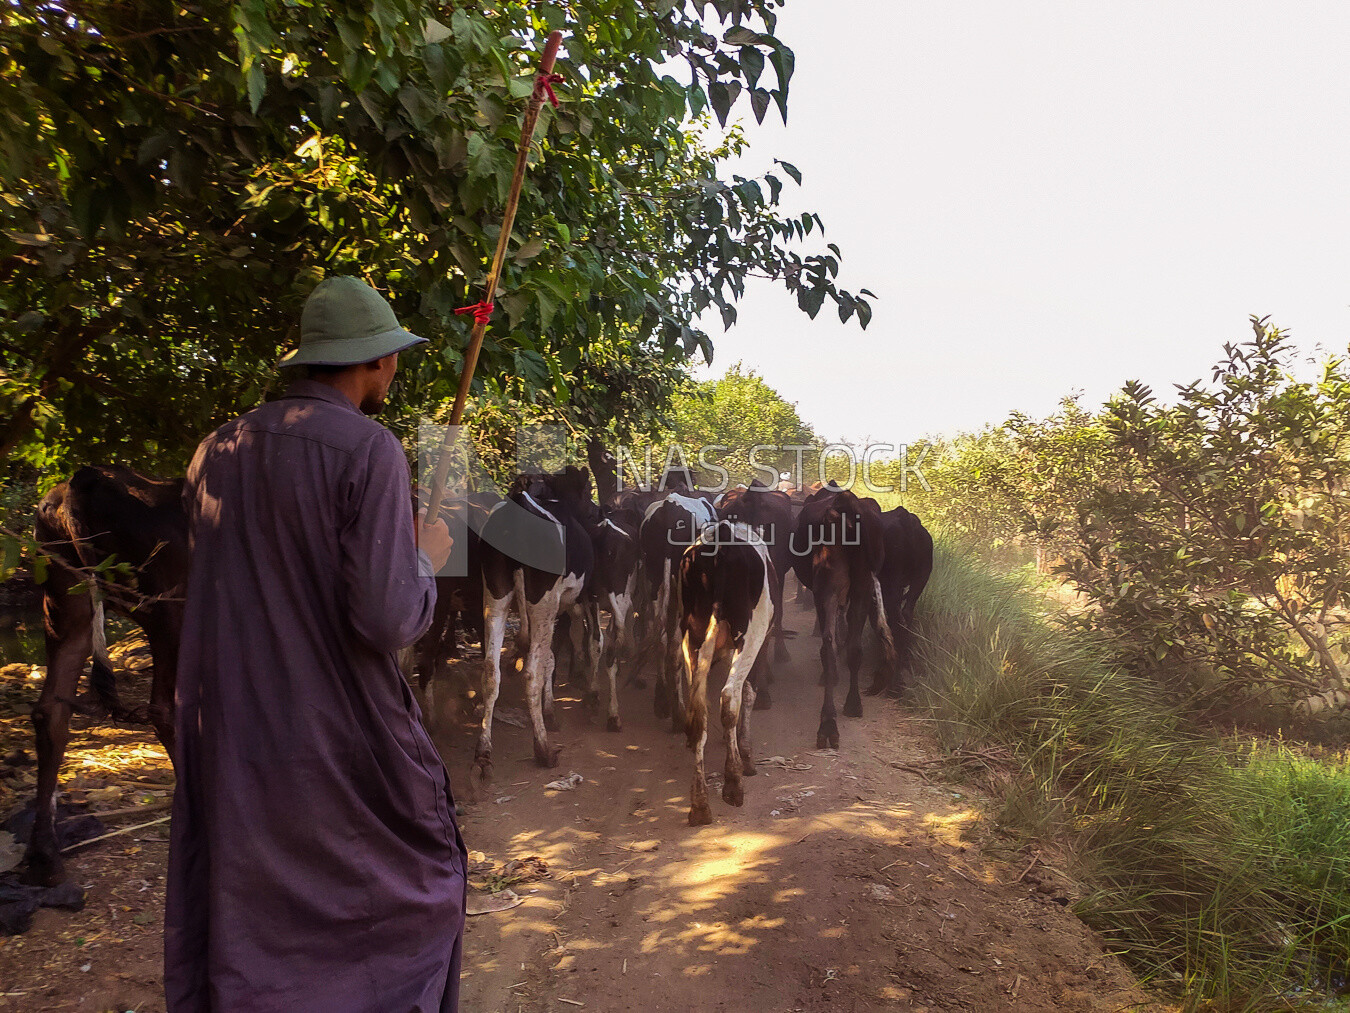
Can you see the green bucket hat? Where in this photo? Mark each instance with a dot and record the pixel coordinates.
(346, 322)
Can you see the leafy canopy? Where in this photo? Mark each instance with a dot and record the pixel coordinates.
(174, 179)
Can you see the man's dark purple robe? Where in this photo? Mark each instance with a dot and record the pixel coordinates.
(315, 863)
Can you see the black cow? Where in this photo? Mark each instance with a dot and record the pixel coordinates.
(101, 512)
(727, 590)
(904, 573)
(838, 552)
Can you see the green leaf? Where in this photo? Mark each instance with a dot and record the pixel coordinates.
(433, 32)
(759, 102)
(529, 250)
(792, 171)
(752, 65)
(257, 87)
(723, 95)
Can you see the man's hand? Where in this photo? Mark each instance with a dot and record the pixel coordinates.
(434, 540)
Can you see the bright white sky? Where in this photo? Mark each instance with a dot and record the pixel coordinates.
(1050, 197)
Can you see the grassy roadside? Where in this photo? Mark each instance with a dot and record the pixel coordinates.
(1221, 868)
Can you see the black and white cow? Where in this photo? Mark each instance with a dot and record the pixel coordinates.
(669, 526)
(537, 552)
(769, 512)
(727, 590)
(615, 540)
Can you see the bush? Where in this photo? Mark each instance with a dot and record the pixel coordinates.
(1216, 868)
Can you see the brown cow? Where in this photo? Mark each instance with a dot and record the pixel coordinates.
(838, 552)
(101, 512)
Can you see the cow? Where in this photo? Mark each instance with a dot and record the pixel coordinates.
(536, 551)
(728, 601)
(101, 512)
(457, 594)
(669, 526)
(904, 573)
(615, 541)
(768, 512)
(838, 552)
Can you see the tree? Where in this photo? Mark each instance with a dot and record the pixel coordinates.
(176, 178)
(725, 420)
(1215, 550)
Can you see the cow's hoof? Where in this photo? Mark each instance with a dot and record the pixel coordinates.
(828, 735)
(700, 815)
(591, 701)
(853, 705)
(661, 702)
(733, 793)
(483, 764)
(546, 755)
(550, 721)
(763, 701)
(614, 724)
(679, 724)
(781, 654)
(43, 871)
(748, 768)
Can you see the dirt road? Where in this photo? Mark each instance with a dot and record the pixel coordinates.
(845, 883)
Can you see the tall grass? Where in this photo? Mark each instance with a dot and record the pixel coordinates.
(1221, 869)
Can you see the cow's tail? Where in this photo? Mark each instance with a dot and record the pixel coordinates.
(101, 678)
(883, 625)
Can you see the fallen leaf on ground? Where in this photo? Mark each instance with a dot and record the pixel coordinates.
(491, 903)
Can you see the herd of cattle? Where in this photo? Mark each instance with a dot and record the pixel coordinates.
(686, 578)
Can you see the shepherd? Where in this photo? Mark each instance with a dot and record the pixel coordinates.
(315, 862)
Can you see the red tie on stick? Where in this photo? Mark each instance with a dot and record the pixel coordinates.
(482, 312)
(544, 83)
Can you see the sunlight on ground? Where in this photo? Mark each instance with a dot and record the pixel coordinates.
(950, 830)
(706, 879)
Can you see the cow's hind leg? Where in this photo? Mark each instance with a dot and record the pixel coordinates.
(613, 650)
(163, 634)
(663, 696)
(857, 624)
(543, 614)
(696, 668)
(671, 662)
(738, 686)
(749, 694)
(69, 619)
(827, 735)
(494, 633)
